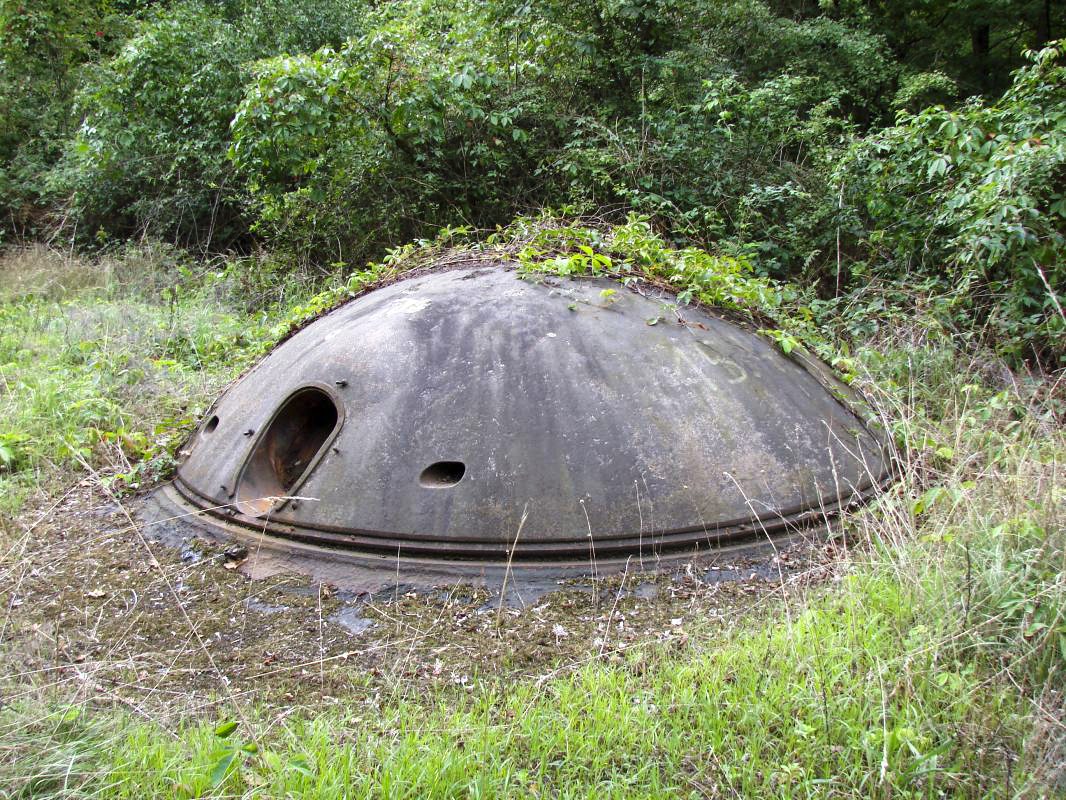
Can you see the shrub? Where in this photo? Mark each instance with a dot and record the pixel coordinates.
(466, 114)
(976, 199)
(42, 47)
(150, 156)
(424, 119)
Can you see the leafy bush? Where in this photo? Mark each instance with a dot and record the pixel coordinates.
(332, 130)
(420, 121)
(150, 157)
(42, 47)
(156, 123)
(976, 199)
(465, 114)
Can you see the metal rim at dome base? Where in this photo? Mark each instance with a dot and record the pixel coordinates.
(737, 536)
(270, 554)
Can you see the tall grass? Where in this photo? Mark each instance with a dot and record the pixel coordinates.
(112, 361)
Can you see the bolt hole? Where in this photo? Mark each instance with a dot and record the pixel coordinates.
(442, 474)
(211, 425)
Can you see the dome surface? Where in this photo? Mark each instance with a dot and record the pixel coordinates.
(473, 414)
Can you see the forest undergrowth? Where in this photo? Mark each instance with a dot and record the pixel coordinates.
(926, 660)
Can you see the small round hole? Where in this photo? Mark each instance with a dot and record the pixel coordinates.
(442, 474)
(211, 425)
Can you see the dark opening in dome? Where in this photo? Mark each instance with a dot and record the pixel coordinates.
(442, 474)
(289, 446)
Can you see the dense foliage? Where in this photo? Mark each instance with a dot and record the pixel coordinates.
(975, 197)
(832, 144)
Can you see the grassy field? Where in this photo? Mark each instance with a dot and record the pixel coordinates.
(926, 661)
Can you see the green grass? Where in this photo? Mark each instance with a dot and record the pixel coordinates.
(102, 362)
(860, 694)
(931, 665)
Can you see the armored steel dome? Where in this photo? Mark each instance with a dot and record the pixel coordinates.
(475, 414)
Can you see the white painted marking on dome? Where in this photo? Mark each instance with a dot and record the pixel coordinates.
(409, 305)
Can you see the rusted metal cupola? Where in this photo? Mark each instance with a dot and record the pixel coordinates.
(473, 416)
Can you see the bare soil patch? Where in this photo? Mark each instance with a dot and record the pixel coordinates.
(96, 609)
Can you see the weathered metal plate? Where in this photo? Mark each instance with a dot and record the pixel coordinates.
(480, 414)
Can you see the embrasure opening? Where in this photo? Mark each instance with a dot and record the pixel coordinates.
(285, 452)
(442, 474)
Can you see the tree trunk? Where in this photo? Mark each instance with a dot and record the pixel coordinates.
(1043, 25)
(980, 38)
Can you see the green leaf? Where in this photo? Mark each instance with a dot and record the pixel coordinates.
(222, 768)
(927, 500)
(224, 730)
